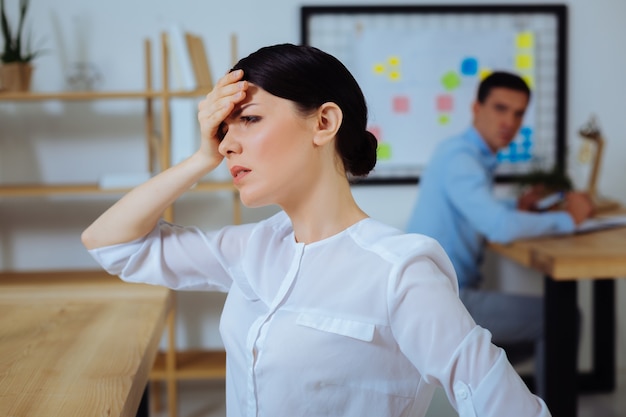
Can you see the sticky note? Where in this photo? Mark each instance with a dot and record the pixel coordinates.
(383, 151)
(394, 75)
(400, 104)
(525, 40)
(394, 61)
(484, 73)
(375, 130)
(379, 68)
(444, 102)
(450, 80)
(523, 61)
(469, 66)
(443, 119)
(526, 132)
(530, 80)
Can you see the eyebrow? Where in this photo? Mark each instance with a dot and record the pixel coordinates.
(239, 109)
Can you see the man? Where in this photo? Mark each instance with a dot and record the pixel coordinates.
(457, 207)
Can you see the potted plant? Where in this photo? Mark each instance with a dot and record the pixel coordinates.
(16, 56)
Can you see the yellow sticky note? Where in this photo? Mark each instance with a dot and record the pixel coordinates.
(530, 80)
(379, 68)
(525, 40)
(484, 73)
(443, 119)
(523, 61)
(394, 75)
(394, 61)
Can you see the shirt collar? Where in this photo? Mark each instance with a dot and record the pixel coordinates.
(488, 156)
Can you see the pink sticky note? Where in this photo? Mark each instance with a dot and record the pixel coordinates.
(444, 103)
(376, 132)
(401, 104)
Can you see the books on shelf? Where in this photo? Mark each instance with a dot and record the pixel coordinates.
(189, 61)
(182, 76)
(199, 61)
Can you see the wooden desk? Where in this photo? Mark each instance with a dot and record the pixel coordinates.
(77, 343)
(599, 256)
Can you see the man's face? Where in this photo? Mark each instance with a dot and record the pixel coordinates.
(500, 116)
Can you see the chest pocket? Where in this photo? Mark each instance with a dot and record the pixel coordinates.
(350, 328)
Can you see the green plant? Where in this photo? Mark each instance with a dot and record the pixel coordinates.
(554, 180)
(15, 50)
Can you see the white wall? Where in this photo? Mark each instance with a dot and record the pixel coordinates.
(53, 141)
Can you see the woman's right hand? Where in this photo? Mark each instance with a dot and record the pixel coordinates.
(214, 109)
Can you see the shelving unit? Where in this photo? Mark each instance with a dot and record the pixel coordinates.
(171, 365)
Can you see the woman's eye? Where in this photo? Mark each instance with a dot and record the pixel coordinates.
(250, 119)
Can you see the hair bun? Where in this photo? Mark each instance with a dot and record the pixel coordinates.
(364, 158)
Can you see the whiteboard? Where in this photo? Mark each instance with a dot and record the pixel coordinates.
(419, 68)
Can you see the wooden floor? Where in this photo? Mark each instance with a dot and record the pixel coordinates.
(206, 399)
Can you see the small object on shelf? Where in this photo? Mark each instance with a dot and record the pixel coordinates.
(16, 70)
(591, 132)
(15, 76)
(84, 77)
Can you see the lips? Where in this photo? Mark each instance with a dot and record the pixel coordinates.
(238, 172)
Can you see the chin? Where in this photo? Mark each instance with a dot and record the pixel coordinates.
(252, 200)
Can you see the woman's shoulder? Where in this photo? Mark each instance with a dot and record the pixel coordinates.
(393, 242)
(403, 250)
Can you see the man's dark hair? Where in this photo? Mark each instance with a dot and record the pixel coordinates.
(501, 79)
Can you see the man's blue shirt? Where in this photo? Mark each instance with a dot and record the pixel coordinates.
(456, 206)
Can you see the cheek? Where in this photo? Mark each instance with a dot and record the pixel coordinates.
(281, 144)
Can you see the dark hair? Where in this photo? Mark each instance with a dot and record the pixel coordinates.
(310, 77)
(503, 80)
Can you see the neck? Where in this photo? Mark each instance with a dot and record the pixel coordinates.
(328, 209)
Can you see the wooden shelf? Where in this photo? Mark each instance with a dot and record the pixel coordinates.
(97, 95)
(192, 364)
(33, 190)
(214, 186)
(172, 365)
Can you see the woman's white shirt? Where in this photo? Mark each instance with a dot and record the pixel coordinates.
(365, 322)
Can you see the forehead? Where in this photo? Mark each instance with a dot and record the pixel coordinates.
(507, 96)
(255, 95)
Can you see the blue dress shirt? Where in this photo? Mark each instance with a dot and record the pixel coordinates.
(456, 206)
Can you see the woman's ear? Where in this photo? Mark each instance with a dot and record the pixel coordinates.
(329, 118)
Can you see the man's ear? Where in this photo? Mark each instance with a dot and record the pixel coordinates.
(329, 117)
(476, 105)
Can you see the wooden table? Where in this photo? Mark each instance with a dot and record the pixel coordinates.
(599, 256)
(77, 343)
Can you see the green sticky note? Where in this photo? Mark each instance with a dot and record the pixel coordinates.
(383, 151)
(450, 80)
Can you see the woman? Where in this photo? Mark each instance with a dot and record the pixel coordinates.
(328, 312)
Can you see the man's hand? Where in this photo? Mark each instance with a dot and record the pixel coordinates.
(579, 205)
(529, 198)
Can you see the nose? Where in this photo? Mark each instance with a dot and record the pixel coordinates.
(509, 120)
(229, 145)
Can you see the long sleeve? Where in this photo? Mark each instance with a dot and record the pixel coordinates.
(469, 189)
(437, 334)
(182, 258)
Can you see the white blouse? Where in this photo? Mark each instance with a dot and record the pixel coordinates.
(364, 323)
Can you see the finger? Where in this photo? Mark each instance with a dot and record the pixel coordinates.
(230, 78)
(220, 107)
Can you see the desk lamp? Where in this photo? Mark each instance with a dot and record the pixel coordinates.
(591, 132)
